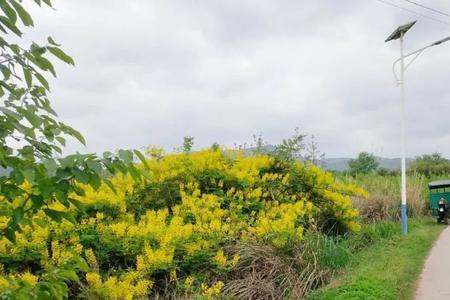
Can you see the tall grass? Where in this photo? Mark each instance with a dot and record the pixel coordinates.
(389, 268)
(384, 202)
(265, 272)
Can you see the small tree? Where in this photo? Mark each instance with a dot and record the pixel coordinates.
(313, 154)
(365, 163)
(260, 146)
(215, 146)
(290, 148)
(431, 164)
(188, 143)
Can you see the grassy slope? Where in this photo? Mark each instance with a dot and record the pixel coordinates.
(386, 270)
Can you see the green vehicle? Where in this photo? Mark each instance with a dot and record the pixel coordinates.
(440, 200)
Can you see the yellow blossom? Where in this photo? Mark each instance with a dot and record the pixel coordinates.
(29, 278)
(220, 259)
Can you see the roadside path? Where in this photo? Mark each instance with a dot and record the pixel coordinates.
(434, 283)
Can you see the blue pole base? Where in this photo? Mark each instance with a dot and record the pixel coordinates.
(404, 220)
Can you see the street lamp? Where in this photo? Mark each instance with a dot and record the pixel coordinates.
(399, 33)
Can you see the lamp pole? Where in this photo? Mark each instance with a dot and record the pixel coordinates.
(399, 34)
(403, 138)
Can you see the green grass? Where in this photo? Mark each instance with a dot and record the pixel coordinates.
(388, 268)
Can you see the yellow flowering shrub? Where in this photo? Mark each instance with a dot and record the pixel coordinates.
(146, 237)
(129, 286)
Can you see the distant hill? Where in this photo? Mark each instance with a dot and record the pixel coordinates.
(341, 164)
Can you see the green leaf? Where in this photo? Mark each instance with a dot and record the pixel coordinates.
(64, 174)
(30, 115)
(9, 11)
(110, 185)
(28, 173)
(44, 64)
(23, 14)
(5, 71)
(18, 215)
(61, 140)
(69, 217)
(48, 2)
(38, 201)
(28, 76)
(81, 263)
(94, 181)
(95, 166)
(10, 113)
(15, 48)
(46, 105)
(46, 188)
(10, 234)
(50, 165)
(69, 275)
(68, 161)
(41, 223)
(5, 21)
(51, 41)
(141, 158)
(61, 55)
(134, 173)
(69, 130)
(126, 156)
(55, 215)
(61, 196)
(3, 29)
(42, 80)
(78, 190)
(63, 185)
(79, 205)
(81, 176)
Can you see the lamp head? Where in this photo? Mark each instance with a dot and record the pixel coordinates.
(441, 41)
(400, 31)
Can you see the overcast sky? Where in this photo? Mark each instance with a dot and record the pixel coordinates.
(151, 72)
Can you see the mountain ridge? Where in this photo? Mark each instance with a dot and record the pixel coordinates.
(341, 163)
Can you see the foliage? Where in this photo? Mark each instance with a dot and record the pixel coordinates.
(431, 164)
(365, 163)
(174, 231)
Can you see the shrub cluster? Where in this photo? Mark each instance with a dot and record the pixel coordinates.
(172, 233)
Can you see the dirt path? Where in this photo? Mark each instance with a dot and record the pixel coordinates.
(434, 282)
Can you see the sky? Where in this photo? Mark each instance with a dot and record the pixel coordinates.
(149, 72)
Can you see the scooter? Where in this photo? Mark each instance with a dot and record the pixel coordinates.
(442, 211)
